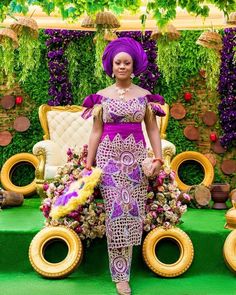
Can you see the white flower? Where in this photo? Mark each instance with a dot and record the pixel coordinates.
(52, 187)
(166, 207)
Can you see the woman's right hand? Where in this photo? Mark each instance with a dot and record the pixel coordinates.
(85, 172)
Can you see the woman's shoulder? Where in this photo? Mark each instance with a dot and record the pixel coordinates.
(91, 100)
(105, 91)
(141, 91)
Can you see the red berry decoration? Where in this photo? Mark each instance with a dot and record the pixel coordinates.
(187, 96)
(19, 100)
(213, 137)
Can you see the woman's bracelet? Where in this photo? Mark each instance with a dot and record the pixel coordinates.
(158, 160)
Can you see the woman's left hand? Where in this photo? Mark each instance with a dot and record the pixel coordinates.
(156, 167)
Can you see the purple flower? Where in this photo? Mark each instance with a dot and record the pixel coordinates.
(57, 63)
(227, 89)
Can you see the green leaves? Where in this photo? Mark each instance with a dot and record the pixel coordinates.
(29, 53)
(210, 60)
(7, 54)
(168, 58)
(162, 10)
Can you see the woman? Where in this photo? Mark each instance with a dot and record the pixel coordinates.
(118, 144)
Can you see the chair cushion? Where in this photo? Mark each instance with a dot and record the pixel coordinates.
(68, 129)
(50, 171)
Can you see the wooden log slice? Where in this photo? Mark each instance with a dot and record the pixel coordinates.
(178, 111)
(10, 198)
(218, 148)
(21, 124)
(211, 158)
(228, 167)
(191, 132)
(209, 118)
(202, 195)
(8, 102)
(5, 138)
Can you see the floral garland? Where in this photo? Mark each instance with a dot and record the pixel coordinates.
(227, 89)
(164, 204)
(163, 208)
(60, 87)
(88, 221)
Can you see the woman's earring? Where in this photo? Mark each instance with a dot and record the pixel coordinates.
(113, 75)
(132, 76)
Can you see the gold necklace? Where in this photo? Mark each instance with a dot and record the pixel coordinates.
(121, 92)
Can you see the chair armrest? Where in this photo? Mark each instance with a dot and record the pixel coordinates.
(168, 151)
(48, 153)
(50, 150)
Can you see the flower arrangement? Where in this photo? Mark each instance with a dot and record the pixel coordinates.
(88, 220)
(164, 205)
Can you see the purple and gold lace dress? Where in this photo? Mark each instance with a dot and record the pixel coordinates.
(120, 153)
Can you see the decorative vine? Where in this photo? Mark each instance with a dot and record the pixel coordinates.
(1, 66)
(29, 53)
(8, 61)
(71, 54)
(168, 58)
(100, 44)
(210, 60)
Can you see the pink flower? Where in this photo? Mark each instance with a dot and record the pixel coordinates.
(45, 186)
(186, 197)
(172, 175)
(161, 177)
(154, 214)
(78, 229)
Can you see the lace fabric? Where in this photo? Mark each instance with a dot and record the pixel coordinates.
(120, 154)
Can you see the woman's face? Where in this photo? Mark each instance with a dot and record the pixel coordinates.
(122, 66)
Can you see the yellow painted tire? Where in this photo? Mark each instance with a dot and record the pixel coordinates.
(60, 269)
(193, 156)
(185, 246)
(229, 251)
(8, 168)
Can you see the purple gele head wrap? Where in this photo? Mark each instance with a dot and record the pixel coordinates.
(130, 46)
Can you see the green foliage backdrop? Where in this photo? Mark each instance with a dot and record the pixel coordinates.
(81, 57)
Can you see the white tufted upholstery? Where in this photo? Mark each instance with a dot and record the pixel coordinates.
(68, 129)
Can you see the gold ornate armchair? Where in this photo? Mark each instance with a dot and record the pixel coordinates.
(64, 128)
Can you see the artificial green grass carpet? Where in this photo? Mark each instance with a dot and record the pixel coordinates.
(207, 274)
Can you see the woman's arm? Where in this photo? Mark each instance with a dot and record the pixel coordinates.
(94, 140)
(153, 135)
(155, 140)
